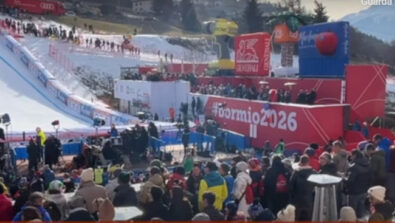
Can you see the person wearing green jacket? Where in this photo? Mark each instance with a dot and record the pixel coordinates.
(279, 148)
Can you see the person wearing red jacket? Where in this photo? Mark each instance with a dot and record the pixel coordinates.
(6, 211)
(313, 161)
(177, 178)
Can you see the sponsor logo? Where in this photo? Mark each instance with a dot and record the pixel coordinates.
(265, 118)
(47, 6)
(246, 52)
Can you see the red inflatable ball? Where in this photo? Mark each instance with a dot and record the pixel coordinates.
(326, 43)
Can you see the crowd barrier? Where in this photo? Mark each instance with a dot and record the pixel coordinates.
(234, 139)
(175, 138)
(69, 149)
(80, 108)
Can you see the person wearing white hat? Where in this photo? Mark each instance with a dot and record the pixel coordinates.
(381, 209)
(242, 180)
(89, 190)
(287, 214)
(347, 214)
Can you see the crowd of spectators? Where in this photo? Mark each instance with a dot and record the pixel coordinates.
(264, 93)
(267, 187)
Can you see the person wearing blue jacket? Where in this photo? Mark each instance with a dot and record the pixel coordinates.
(36, 200)
(383, 143)
(224, 171)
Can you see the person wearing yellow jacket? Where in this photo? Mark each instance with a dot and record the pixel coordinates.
(215, 183)
(40, 137)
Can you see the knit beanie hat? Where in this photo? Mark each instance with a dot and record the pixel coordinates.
(377, 192)
(87, 175)
(242, 166)
(201, 217)
(347, 214)
(56, 185)
(287, 214)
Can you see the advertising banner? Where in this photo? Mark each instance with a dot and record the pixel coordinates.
(252, 54)
(324, 49)
(298, 125)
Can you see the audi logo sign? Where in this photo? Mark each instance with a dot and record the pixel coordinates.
(47, 6)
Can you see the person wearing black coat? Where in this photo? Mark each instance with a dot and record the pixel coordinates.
(180, 207)
(327, 166)
(357, 182)
(156, 208)
(78, 211)
(302, 190)
(125, 195)
(33, 152)
(273, 199)
(52, 150)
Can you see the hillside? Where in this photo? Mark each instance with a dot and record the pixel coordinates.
(376, 20)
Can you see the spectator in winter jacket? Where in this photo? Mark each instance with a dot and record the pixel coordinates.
(113, 131)
(276, 195)
(113, 183)
(377, 165)
(125, 195)
(48, 176)
(381, 209)
(313, 159)
(256, 175)
(357, 182)
(52, 151)
(193, 182)
(89, 190)
(33, 151)
(156, 208)
(326, 165)
(242, 180)
(302, 190)
(224, 170)
(36, 200)
(78, 211)
(209, 208)
(55, 194)
(155, 179)
(177, 178)
(41, 138)
(215, 183)
(339, 157)
(6, 211)
(180, 207)
(383, 144)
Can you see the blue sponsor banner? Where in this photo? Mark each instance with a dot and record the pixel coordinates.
(62, 97)
(25, 60)
(10, 45)
(86, 110)
(312, 61)
(43, 79)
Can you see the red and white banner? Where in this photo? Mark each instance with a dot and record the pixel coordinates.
(252, 54)
(298, 125)
(365, 90)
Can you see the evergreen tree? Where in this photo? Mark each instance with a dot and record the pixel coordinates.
(253, 17)
(162, 8)
(319, 13)
(189, 18)
(294, 6)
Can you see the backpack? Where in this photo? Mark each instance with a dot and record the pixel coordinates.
(249, 195)
(281, 184)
